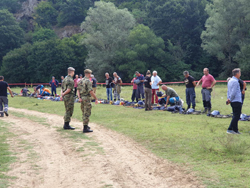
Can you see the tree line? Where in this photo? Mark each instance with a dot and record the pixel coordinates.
(127, 35)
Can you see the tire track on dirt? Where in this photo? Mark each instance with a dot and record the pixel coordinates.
(124, 163)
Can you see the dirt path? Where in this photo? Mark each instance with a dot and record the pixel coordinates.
(58, 164)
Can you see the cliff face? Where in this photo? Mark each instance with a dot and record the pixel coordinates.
(27, 10)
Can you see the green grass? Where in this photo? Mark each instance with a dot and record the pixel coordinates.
(6, 157)
(197, 141)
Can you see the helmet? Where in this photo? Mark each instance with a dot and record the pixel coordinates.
(137, 81)
(159, 94)
(215, 113)
(243, 117)
(190, 110)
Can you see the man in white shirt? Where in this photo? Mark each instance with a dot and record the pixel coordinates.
(156, 81)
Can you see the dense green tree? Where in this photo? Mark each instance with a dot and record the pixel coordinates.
(11, 35)
(73, 12)
(12, 5)
(107, 29)
(45, 14)
(16, 67)
(42, 34)
(227, 28)
(145, 51)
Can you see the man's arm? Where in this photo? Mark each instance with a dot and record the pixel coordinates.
(198, 83)
(213, 84)
(10, 91)
(50, 83)
(94, 96)
(159, 82)
(121, 81)
(168, 97)
(194, 83)
(244, 88)
(66, 92)
(232, 91)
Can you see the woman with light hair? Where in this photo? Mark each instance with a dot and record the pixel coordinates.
(156, 81)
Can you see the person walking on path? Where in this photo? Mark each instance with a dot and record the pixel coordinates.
(4, 86)
(108, 82)
(148, 91)
(84, 92)
(67, 95)
(134, 93)
(235, 99)
(208, 83)
(76, 80)
(190, 89)
(53, 84)
(156, 81)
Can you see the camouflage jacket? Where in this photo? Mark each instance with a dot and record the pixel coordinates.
(68, 83)
(84, 87)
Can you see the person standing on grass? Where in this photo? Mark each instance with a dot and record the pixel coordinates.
(235, 99)
(208, 83)
(140, 87)
(134, 93)
(94, 84)
(190, 89)
(53, 84)
(4, 86)
(108, 82)
(67, 95)
(117, 90)
(243, 88)
(156, 81)
(85, 92)
(62, 78)
(148, 91)
(76, 80)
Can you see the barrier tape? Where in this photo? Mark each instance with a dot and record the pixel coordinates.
(124, 84)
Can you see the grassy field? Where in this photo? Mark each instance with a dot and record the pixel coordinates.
(6, 156)
(197, 141)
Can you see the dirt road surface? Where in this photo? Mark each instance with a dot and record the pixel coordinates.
(46, 158)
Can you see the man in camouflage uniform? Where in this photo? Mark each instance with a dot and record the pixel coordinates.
(67, 94)
(84, 92)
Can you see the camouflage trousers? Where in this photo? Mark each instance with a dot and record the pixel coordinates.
(86, 109)
(69, 106)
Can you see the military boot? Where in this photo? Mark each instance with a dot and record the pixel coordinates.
(86, 129)
(67, 126)
(209, 111)
(205, 110)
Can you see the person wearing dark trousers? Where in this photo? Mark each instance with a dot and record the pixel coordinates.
(53, 84)
(148, 91)
(4, 86)
(140, 87)
(208, 83)
(243, 88)
(134, 93)
(190, 89)
(235, 99)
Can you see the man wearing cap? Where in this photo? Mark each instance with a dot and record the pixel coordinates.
(208, 83)
(84, 92)
(140, 87)
(67, 94)
(53, 84)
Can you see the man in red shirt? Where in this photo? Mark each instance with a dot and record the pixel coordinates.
(208, 83)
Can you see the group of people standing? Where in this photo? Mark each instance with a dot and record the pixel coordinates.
(111, 83)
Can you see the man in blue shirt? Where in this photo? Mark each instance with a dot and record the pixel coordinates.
(140, 86)
(234, 98)
(53, 84)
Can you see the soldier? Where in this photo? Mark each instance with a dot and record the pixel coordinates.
(84, 92)
(67, 94)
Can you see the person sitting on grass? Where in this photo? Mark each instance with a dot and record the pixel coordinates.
(45, 92)
(172, 96)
